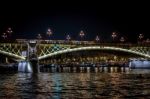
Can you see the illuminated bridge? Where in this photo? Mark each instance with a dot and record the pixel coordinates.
(24, 49)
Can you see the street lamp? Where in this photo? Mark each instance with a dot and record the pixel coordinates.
(49, 32)
(9, 31)
(147, 40)
(39, 36)
(97, 38)
(122, 39)
(141, 36)
(81, 34)
(114, 35)
(68, 37)
(4, 35)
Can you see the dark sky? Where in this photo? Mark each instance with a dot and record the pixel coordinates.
(94, 18)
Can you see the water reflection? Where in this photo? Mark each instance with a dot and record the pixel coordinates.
(113, 83)
(85, 69)
(24, 66)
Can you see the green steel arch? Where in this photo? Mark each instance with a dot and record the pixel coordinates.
(12, 55)
(93, 48)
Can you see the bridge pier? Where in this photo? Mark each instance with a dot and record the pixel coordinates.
(32, 56)
(35, 65)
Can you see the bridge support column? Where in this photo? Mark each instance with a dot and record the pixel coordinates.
(35, 65)
(32, 55)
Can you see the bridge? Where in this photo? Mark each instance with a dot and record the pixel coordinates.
(47, 48)
(36, 50)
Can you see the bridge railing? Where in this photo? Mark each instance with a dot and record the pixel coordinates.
(83, 43)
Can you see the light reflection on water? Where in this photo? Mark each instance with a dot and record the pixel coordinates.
(129, 84)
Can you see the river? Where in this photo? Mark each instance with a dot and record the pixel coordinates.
(115, 85)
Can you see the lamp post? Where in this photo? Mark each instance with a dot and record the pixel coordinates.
(9, 32)
(141, 36)
(68, 37)
(147, 40)
(39, 37)
(114, 35)
(81, 34)
(4, 36)
(122, 39)
(49, 32)
(97, 38)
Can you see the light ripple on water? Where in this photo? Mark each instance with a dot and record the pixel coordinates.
(75, 85)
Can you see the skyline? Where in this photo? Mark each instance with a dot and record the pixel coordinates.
(129, 20)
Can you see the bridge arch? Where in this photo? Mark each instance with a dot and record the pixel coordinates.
(94, 48)
(12, 55)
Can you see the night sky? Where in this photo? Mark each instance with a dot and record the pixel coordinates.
(126, 18)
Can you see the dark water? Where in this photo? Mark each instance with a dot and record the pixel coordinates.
(132, 84)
